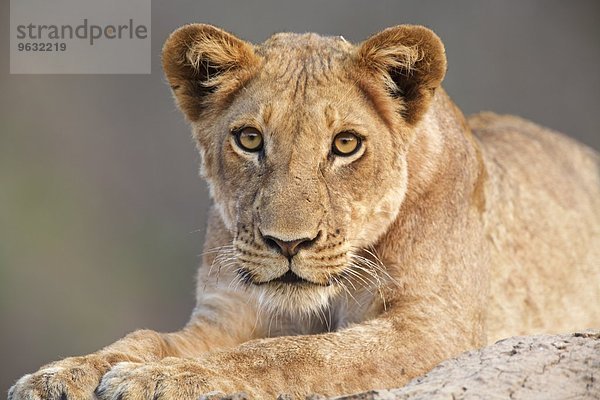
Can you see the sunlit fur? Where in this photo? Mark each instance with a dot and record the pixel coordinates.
(439, 234)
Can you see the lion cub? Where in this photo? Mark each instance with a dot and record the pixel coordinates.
(362, 230)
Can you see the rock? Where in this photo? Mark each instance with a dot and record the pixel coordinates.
(531, 367)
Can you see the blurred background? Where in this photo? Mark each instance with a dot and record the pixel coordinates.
(102, 213)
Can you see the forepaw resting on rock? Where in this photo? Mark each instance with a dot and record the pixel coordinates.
(170, 378)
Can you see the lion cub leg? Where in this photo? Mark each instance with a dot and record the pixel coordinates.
(78, 377)
(382, 353)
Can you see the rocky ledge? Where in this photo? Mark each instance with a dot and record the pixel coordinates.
(523, 367)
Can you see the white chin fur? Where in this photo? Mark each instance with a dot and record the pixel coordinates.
(294, 300)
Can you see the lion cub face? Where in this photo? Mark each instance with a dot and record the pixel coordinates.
(303, 142)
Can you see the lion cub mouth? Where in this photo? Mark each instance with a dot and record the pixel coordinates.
(292, 278)
(289, 278)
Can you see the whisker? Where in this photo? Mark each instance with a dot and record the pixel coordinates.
(367, 282)
(377, 264)
(345, 288)
(375, 269)
(217, 249)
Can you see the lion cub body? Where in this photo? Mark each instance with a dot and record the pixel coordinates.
(335, 272)
(542, 224)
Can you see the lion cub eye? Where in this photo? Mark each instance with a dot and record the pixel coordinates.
(345, 144)
(249, 139)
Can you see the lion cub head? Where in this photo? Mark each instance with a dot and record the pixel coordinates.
(303, 141)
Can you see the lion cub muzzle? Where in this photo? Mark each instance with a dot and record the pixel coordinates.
(268, 259)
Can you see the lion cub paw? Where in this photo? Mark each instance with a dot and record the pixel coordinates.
(73, 378)
(128, 380)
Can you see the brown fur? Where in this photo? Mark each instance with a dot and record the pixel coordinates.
(440, 234)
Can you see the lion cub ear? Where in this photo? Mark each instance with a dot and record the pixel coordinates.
(410, 60)
(205, 66)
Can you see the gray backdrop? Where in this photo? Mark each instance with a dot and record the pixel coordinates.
(102, 213)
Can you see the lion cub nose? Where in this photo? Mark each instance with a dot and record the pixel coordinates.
(289, 248)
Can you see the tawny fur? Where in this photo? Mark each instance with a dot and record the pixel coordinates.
(439, 235)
